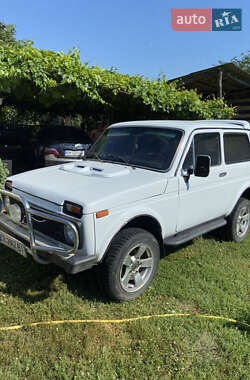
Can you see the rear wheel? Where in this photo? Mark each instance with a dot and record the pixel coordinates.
(130, 264)
(238, 223)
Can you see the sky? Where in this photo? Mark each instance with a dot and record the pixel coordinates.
(134, 36)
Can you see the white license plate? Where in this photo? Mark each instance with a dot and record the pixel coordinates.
(13, 243)
(73, 153)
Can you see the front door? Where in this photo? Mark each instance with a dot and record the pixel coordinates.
(202, 198)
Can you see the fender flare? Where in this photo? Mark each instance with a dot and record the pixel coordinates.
(242, 190)
(124, 219)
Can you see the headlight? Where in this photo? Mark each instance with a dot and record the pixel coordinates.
(15, 212)
(69, 235)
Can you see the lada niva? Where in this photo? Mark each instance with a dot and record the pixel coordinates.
(141, 186)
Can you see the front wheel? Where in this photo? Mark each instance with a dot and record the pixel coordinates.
(130, 264)
(238, 223)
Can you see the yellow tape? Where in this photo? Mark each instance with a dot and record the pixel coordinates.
(44, 323)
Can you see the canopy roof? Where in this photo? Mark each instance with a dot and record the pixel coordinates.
(227, 80)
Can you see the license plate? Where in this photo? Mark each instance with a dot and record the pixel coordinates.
(12, 243)
(73, 153)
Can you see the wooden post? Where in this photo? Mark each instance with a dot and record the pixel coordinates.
(219, 83)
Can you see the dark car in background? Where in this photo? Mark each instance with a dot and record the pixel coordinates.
(62, 144)
(28, 147)
(60, 152)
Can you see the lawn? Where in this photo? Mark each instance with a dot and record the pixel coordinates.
(206, 276)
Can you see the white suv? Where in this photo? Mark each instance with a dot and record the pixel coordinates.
(143, 184)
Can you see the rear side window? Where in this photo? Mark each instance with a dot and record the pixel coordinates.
(236, 147)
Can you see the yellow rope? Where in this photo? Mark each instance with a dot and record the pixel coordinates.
(125, 320)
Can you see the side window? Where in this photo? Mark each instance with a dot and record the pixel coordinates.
(236, 148)
(206, 144)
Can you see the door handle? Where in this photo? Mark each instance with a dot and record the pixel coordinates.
(223, 174)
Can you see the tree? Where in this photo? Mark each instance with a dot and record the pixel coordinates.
(243, 62)
(61, 83)
(7, 33)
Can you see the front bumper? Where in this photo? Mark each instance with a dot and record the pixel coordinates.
(43, 248)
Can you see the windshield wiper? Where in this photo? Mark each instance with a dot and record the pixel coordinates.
(92, 155)
(107, 156)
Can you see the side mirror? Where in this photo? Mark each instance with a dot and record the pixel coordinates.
(202, 166)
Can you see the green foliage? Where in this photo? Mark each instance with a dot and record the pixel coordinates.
(243, 62)
(55, 81)
(7, 33)
(17, 116)
(8, 114)
(3, 173)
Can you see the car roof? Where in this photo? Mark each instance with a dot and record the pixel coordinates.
(188, 125)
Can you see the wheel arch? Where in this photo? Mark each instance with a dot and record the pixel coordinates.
(145, 222)
(243, 193)
(246, 194)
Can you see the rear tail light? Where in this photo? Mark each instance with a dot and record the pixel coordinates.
(51, 151)
(72, 209)
(8, 185)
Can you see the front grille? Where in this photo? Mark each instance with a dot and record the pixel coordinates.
(52, 229)
(43, 229)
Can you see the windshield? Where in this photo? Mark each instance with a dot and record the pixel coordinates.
(150, 148)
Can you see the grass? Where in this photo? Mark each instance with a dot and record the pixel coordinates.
(206, 276)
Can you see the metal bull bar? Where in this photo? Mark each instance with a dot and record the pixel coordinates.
(34, 247)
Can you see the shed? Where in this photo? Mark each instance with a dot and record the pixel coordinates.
(225, 80)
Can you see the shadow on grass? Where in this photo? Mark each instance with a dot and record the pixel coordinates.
(87, 285)
(241, 325)
(243, 322)
(171, 249)
(32, 282)
(24, 278)
(219, 234)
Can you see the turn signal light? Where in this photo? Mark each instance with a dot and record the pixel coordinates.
(8, 185)
(101, 214)
(72, 209)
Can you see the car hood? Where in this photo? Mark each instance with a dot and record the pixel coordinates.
(94, 185)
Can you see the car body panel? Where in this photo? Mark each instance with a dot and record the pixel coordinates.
(93, 185)
(163, 208)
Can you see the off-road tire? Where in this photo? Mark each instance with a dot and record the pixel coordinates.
(238, 221)
(123, 260)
